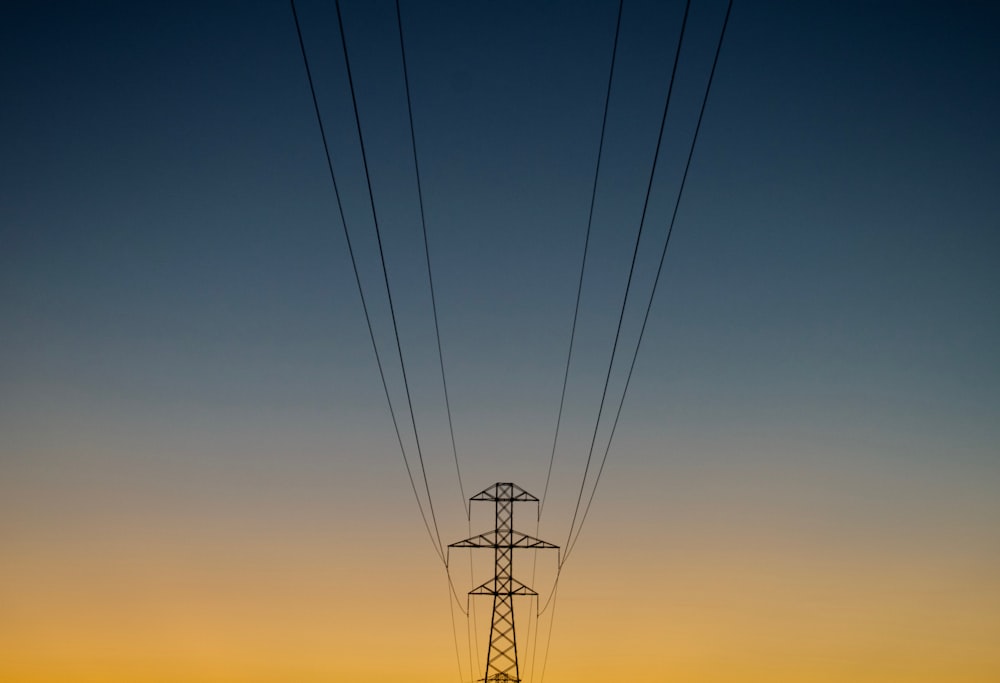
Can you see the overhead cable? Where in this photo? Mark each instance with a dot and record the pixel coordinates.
(466, 505)
(385, 274)
(659, 270)
(427, 255)
(548, 638)
(583, 264)
(454, 634)
(361, 292)
(631, 272)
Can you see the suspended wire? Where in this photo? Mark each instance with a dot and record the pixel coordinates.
(532, 658)
(470, 615)
(571, 539)
(471, 630)
(534, 568)
(468, 604)
(572, 336)
(540, 610)
(631, 272)
(357, 280)
(583, 264)
(548, 638)
(385, 274)
(454, 635)
(466, 505)
(649, 305)
(454, 593)
(555, 585)
(659, 270)
(427, 255)
(469, 637)
(536, 613)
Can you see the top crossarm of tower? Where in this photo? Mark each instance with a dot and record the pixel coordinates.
(505, 492)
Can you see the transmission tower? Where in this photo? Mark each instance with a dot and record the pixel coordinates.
(501, 658)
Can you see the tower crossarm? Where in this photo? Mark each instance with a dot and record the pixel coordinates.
(505, 492)
(508, 539)
(496, 587)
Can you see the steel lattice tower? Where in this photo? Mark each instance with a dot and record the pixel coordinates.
(501, 658)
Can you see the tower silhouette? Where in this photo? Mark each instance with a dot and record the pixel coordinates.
(501, 657)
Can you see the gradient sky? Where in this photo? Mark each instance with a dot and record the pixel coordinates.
(199, 480)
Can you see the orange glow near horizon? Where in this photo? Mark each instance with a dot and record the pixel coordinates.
(266, 592)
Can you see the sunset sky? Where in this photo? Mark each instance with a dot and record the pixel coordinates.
(199, 478)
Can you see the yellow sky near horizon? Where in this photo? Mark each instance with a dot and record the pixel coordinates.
(815, 579)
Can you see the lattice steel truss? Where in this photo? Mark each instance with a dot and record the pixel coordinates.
(501, 658)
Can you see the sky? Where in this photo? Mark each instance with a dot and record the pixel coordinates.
(199, 479)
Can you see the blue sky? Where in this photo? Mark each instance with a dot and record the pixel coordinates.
(179, 305)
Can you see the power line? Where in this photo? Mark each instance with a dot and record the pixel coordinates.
(659, 270)
(454, 634)
(471, 630)
(427, 255)
(437, 330)
(583, 264)
(451, 584)
(570, 546)
(357, 279)
(631, 272)
(385, 272)
(572, 538)
(576, 313)
(548, 638)
(529, 657)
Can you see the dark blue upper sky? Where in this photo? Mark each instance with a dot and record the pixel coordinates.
(171, 248)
